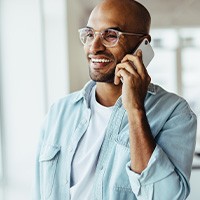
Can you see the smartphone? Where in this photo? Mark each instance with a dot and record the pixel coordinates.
(147, 52)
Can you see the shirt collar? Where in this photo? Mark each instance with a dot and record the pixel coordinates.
(85, 92)
(152, 89)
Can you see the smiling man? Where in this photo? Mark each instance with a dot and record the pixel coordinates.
(114, 140)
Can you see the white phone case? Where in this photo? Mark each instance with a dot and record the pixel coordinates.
(147, 52)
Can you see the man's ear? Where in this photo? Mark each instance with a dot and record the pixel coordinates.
(148, 38)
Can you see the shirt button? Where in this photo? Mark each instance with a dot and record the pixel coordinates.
(70, 149)
(84, 121)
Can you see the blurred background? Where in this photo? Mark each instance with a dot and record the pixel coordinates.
(42, 59)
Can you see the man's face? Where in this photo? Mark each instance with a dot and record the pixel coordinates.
(103, 60)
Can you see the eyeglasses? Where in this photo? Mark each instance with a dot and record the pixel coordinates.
(109, 37)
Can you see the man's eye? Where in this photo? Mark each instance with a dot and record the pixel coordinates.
(111, 35)
(90, 35)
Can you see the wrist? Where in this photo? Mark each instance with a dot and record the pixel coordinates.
(136, 112)
(137, 117)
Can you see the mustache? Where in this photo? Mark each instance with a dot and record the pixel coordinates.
(100, 54)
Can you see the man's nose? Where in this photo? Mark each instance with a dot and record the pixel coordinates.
(97, 44)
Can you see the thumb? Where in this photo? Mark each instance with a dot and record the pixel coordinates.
(139, 53)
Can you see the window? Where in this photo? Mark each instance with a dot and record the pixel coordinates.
(1, 163)
(1, 167)
(176, 67)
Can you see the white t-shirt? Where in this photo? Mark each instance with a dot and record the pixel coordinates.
(86, 156)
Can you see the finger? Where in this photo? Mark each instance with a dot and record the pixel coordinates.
(136, 59)
(129, 66)
(126, 66)
(125, 75)
(117, 79)
(128, 57)
(138, 63)
(139, 54)
(119, 76)
(141, 70)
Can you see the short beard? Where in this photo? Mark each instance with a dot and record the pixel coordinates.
(106, 78)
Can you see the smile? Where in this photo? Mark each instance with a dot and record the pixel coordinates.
(94, 60)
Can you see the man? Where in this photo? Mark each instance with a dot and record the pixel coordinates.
(114, 140)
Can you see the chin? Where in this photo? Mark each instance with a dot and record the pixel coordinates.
(102, 79)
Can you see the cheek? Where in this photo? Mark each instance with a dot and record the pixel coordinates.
(120, 53)
(128, 45)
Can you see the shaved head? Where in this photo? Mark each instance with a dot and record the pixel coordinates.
(135, 16)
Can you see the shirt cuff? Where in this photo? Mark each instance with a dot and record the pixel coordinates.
(158, 168)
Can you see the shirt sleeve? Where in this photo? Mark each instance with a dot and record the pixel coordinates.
(142, 184)
(168, 171)
(36, 181)
(36, 185)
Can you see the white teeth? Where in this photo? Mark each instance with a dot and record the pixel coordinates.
(100, 60)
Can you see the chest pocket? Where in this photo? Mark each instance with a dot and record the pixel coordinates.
(123, 140)
(48, 163)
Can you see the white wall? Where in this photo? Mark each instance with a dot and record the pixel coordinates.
(194, 183)
(33, 75)
(55, 46)
(22, 92)
(78, 67)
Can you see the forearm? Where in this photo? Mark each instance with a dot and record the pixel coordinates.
(142, 143)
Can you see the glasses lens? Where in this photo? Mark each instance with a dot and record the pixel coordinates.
(110, 37)
(86, 35)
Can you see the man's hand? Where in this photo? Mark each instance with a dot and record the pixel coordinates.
(135, 81)
(135, 84)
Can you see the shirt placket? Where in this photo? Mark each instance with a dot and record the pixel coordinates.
(76, 136)
(112, 131)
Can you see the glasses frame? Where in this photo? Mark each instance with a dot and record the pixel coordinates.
(119, 33)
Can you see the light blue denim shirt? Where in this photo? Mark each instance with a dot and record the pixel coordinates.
(166, 177)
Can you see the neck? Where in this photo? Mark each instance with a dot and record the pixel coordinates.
(108, 93)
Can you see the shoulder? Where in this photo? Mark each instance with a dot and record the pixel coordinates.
(168, 102)
(69, 99)
(71, 102)
(159, 94)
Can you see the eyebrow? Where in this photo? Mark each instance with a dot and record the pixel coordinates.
(114, 28)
